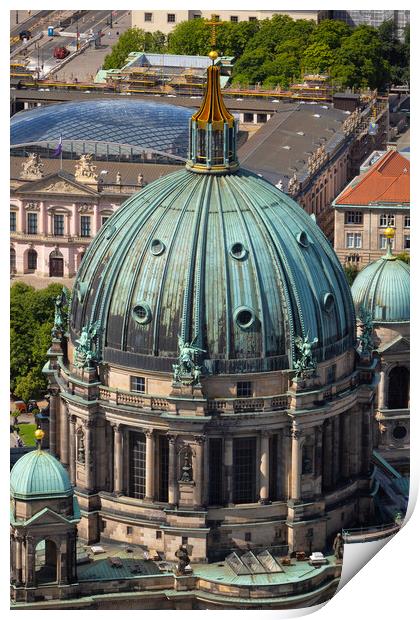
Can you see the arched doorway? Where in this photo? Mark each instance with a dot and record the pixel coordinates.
(398, 388)
(32, 260)
(56, 264)
(46, 562)
(12, 260)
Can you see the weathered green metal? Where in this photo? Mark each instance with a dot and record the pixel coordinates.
(38, 475)
(195, 254)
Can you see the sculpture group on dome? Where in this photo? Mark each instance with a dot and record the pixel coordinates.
(32, 167)
(60, 315)
(366, 336)
(306, 364)
(187, 371)
(86, 352)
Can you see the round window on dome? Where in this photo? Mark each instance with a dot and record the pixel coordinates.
(157, 247)
(399, 432)
(142, 313)
(110, 230)
(328, 302)
(302, 239)
(244, 317)
(238, 251)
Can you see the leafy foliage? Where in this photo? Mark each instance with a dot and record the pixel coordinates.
(404, 256)
(31, 321)
(351, 272)
(134, 40)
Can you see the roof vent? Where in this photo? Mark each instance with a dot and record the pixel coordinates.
(238, 251)
(302, 239)
(300, 133)
(244, 317)
(287, 147)
(157, 247)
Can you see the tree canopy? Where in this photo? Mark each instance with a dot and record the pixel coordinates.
(31, 321)
(280, 50)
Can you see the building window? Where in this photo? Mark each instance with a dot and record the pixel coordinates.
(248, 537)
(148, 17)
(331, 373)
(352, 258)
(137, 482)
(252, 19)
(32, 223)
(184, 540)
(85, 225)
(244, 389)
(383, 242)
(32, 260)
(196, 16)
(248, 117)
(215, 471)
(104, 219)
(158, 535)
(354, 240)
(354, 217)
(138, 384)
(171, 18)
(244, 454)
(58, 225)
(12, 221)
(163, 468)
(129, 530)
(406, 221)
(406, 242)
(234, 18)
(387, 219)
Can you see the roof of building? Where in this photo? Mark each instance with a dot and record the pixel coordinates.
(386, 181)
(383, 288)
(282, 146)
(228, 261)
(137, 123)
(39, 475)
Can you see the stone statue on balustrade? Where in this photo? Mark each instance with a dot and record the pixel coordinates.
(187, 371)
(32, 167)
(183, 560)
(366, 336)
(305, 364)
(338, 546)
(187, 475)
(60, 314)
(86, 353)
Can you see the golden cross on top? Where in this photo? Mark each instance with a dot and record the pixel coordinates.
(213, 23)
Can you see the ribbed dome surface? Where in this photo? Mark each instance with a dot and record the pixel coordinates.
(38, 475)
(383, 287)
(227, 260)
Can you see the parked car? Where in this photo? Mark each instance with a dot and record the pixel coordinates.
(61, 52)
(25, 34)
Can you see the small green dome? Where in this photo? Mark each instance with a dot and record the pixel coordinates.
(383, 288)
(39, 475)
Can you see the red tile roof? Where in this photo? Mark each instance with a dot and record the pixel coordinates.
(387, 181)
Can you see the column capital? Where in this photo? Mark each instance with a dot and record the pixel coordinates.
(72, 418)
(116, 427)
(172, 438)
(148, 432)
(265, 434)
(200, 439)
(88, 423)
(295, 433)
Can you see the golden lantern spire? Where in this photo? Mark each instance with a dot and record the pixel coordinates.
(389, 234)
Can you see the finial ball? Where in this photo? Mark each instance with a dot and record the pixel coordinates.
(389, 232)
(213, 54)
(39, 434)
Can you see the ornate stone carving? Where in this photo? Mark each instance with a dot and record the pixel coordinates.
(60, 316)
(86, 353)
(187, 471)
(85, 208)
(187, 371)
(32, 167)
(85, 170)
(295, 433)
(366, 337)
(81, 455)
(140, 180)
(338, 546)
(62, 187)
(293, 186)
(118, 180)
(183, 560)
(305, 364)
(32, 206)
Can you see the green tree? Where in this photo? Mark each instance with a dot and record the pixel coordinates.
(190, 37)
(134, 40)
(31, 321)
(318, 57)
(404, 256)
(351, 272)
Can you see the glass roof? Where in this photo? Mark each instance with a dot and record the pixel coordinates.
(146, 124)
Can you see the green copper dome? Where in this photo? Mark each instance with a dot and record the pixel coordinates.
(39, 475)
(383, 288)
(215, 256)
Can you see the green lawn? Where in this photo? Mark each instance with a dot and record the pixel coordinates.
(26, 432)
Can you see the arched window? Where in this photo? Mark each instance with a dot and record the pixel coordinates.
(46, 562)
(398, 388)
(12, 260)
(32, 260)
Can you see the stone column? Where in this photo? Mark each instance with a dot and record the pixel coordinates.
(366, 439)
(198, 472)
(150, 465)
(118, 459)
(327, 455)
(382, 399)
(172, 475)
(53, 418)
(336, 449)
(345, 445)
(285, 458)
(297, 441)
(279, 468)
(72, 442)
(64, 434)
(89, 452)
(228, 460)
(264, 468)
(30, 562)
(18, 559)
(206, 477)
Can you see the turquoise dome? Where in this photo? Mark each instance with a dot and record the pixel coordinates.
(228, 260)
(39, 475)
(383, 288)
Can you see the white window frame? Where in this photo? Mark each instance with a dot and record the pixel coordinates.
(354, 240)
(406, 219)
(351, 217)
(386, 219)
(383, 244)
(148, 21)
